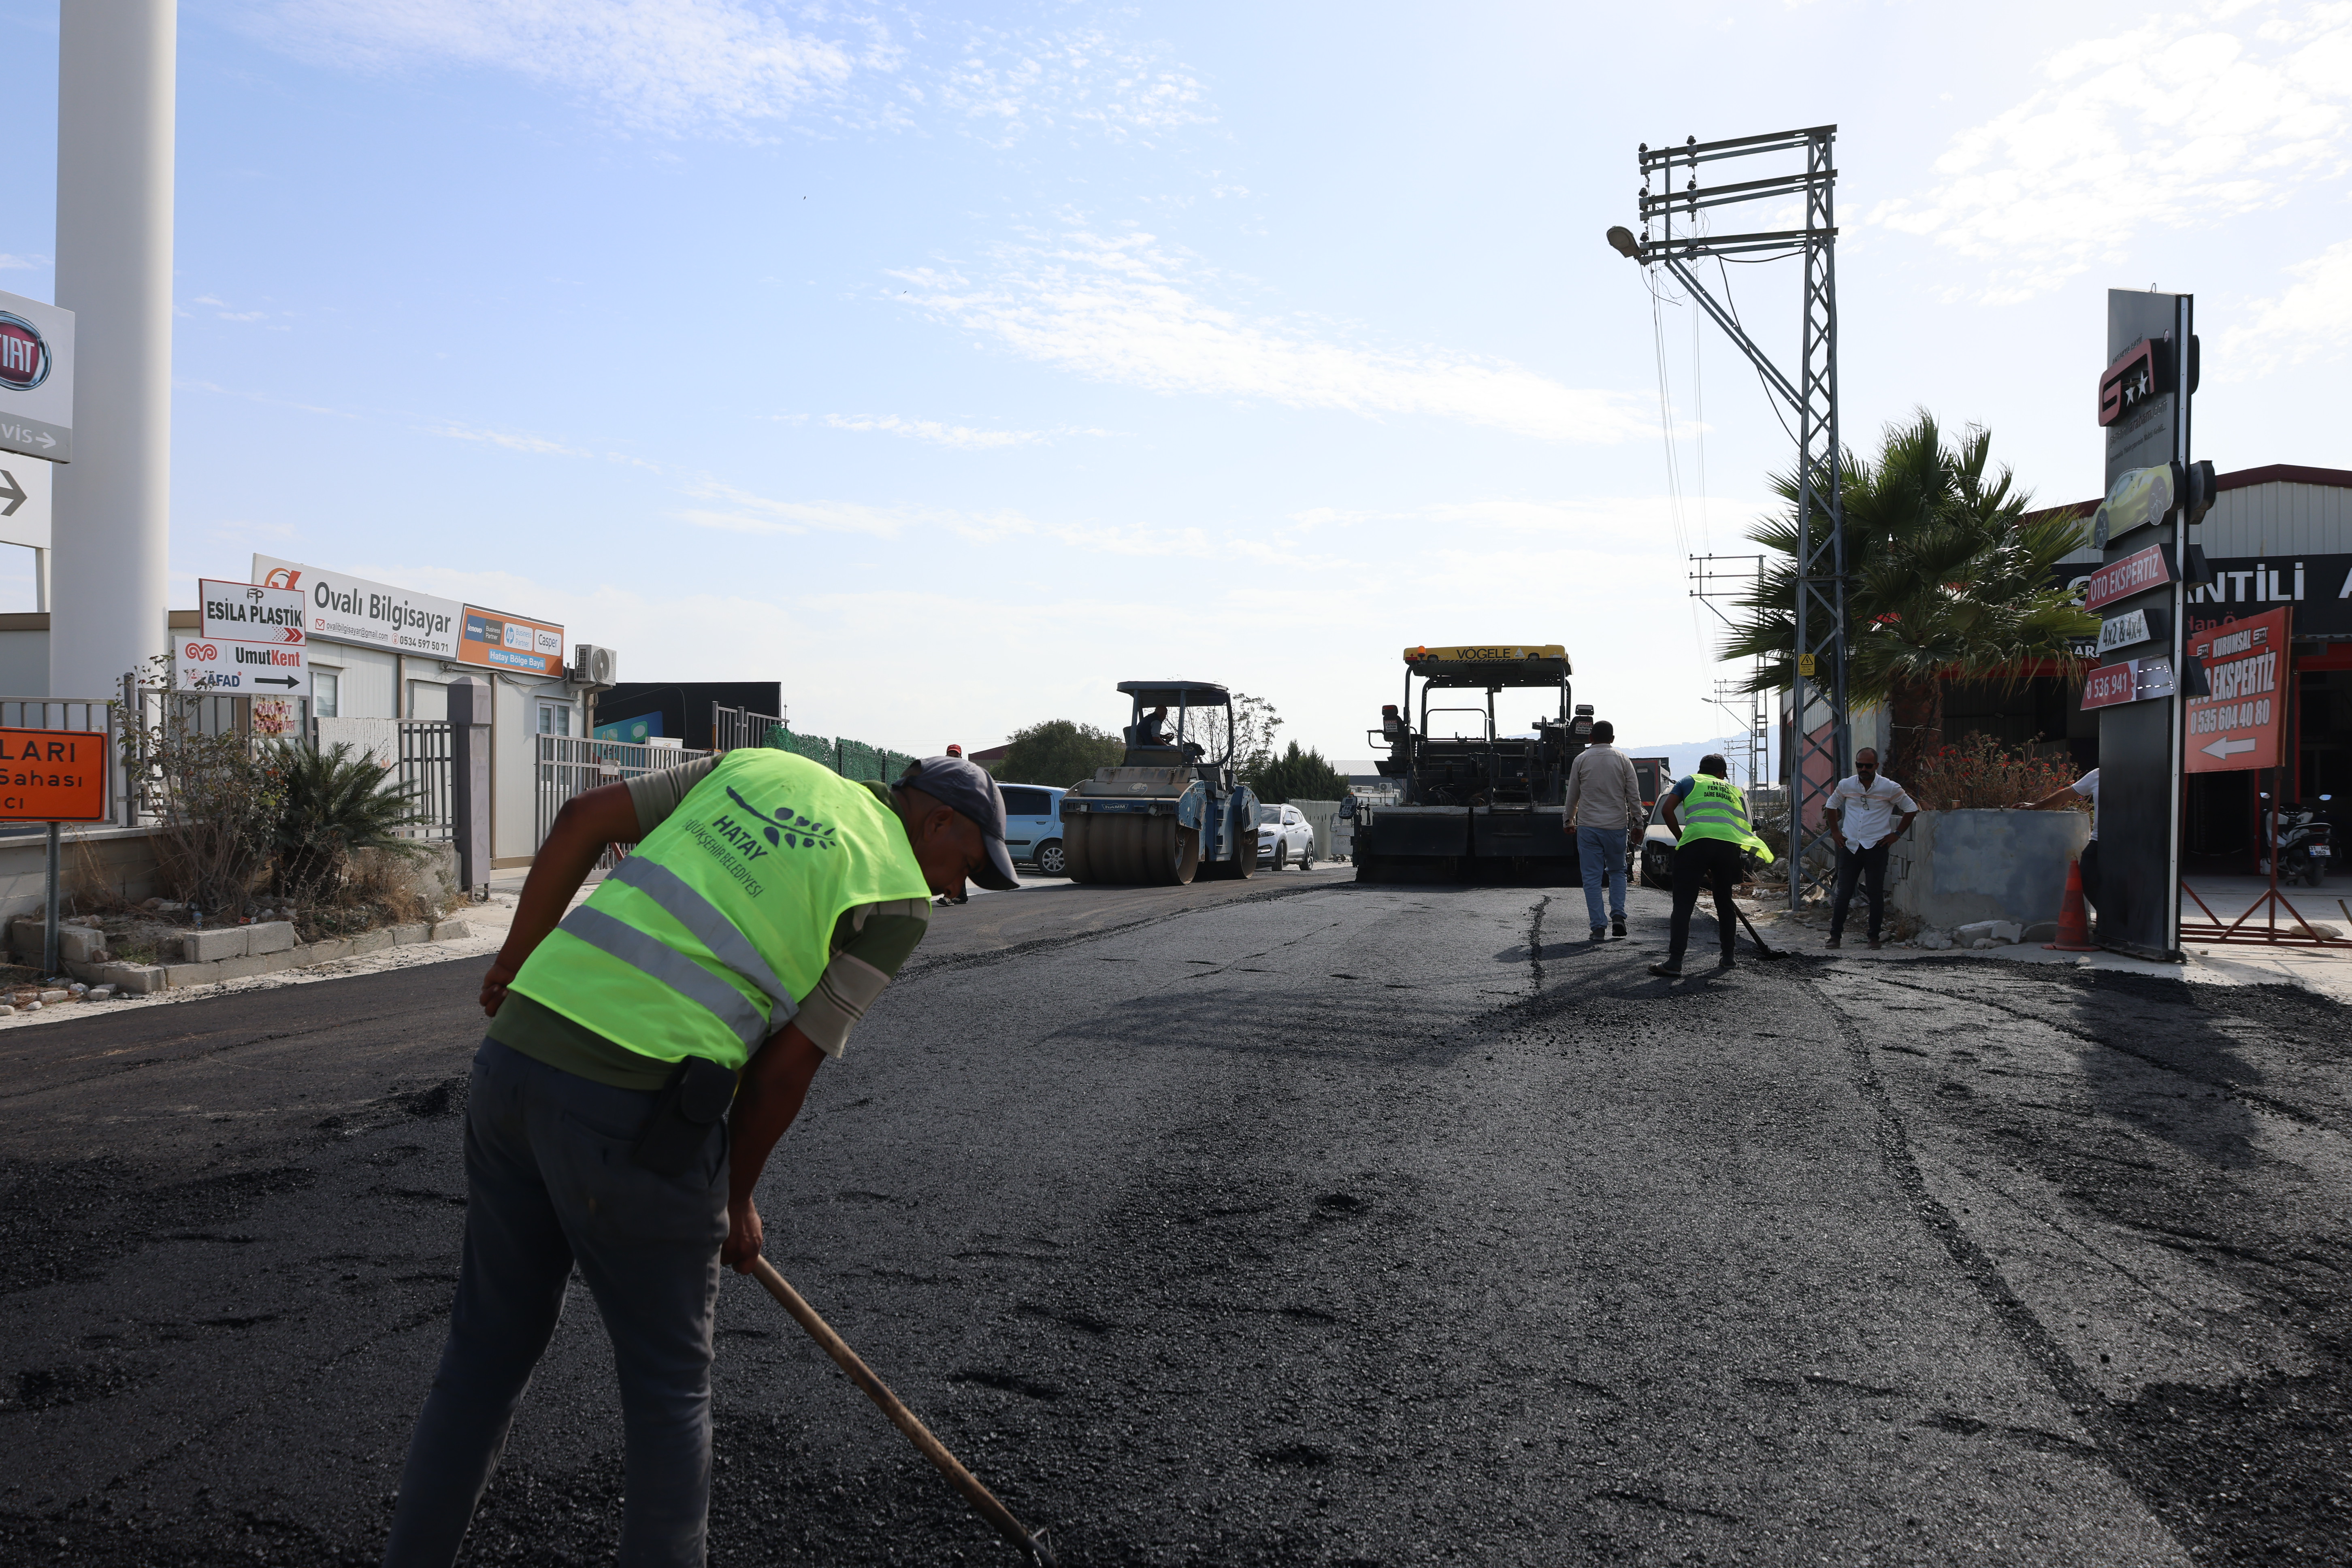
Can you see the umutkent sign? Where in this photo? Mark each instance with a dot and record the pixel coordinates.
(2238, 724)
(2131, 680)
(221, 665)
(35, 379)
(343, 608)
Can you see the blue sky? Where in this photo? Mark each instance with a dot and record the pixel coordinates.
(949, 366)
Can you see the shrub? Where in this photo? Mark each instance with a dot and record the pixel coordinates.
(216, 801)
(336, 804)
(1980, 774)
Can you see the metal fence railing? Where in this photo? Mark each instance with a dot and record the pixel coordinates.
(426, 757)
(731, 728)
(571, 765)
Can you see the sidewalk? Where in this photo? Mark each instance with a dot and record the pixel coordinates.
(2326, 972)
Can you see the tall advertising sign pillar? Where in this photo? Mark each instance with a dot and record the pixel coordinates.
(2154, 494)
(116, 99)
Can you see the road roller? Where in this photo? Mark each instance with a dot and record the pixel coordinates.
(1173, 809)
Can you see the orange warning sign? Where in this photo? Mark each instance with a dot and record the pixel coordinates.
(53, 775)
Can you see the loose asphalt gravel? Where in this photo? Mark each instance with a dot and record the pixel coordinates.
(1282, 1222)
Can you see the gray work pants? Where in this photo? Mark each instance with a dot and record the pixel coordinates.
(549, 1183)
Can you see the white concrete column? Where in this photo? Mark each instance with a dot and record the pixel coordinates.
(111, 538)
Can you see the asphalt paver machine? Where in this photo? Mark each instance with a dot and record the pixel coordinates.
(1173, 808)
(1478, 804)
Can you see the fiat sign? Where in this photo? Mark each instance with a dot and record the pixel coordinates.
(35, 379)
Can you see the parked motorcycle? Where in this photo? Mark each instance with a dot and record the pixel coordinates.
(2304, 841)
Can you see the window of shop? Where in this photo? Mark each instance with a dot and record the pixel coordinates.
(325, 691)
(555, 718)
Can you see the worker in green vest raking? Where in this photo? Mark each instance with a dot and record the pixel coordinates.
(645, 1052)
(1710, 816)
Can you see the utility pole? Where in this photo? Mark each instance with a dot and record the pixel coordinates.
(1821, 740)
(1712, 579)
(111, 536)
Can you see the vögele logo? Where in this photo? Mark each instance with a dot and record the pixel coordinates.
(23, 355)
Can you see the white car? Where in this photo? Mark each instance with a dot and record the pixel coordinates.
(1283, 836)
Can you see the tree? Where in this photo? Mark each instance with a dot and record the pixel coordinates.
(1946, 578)
(1296, 776)
(1058, 752)
(1254, 723)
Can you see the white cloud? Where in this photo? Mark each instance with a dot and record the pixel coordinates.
(538, 446)
(1120, 310)
(667, 65)
(965, 437)
(2312, 317)
(748, 514)
(2184, 122)
(22, 263)
(1006, 85)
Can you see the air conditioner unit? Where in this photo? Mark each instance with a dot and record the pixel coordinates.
(594, 666)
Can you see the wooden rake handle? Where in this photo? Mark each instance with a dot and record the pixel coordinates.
(982, 1500)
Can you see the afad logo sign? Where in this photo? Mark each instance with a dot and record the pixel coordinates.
(281, 577)
(24, 357)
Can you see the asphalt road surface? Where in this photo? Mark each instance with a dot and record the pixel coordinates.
(1287, 1222)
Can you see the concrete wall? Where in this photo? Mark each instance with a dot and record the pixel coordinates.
(1963, 866)
(123, 858)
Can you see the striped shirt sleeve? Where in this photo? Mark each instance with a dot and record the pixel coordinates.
(869, 943)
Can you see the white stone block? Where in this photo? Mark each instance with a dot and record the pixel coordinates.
(269, 936)
(212, 946)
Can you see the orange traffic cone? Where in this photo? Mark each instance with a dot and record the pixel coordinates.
(2074, 926)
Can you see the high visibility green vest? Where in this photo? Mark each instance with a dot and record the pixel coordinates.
(1715, 808)
(706, 939)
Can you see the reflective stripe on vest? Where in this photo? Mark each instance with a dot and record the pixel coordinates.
(650, 955)
(710, 927)
(708, 938)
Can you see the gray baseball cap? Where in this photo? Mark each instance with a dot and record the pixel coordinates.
(966, 788)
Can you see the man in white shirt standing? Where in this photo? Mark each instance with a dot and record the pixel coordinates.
(1862, 813)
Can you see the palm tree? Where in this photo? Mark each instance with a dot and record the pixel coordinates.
(1947, 579)
(336, 804)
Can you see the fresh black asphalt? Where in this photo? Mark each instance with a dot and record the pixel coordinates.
(1286, 1222)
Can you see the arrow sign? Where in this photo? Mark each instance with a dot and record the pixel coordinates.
(45, 439)
(2227, 747)
(10, 492)
(289, 682)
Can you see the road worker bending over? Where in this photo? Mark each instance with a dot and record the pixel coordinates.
(645, 1055)
(1714, 837)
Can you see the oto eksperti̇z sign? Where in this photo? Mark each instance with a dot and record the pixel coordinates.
(2238, 725)
(53, 775)
(35, 379)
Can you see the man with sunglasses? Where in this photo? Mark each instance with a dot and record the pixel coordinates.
(1862, 813)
